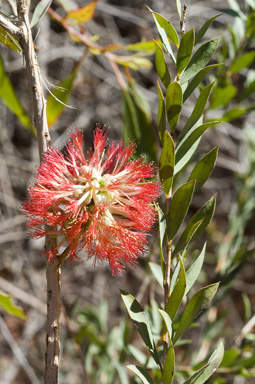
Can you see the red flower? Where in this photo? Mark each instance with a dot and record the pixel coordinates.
(103, 204)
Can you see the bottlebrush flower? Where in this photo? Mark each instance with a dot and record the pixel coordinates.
(103, 204)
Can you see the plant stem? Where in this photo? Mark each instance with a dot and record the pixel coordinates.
(40, 120)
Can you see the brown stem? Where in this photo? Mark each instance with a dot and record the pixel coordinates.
(40, 120)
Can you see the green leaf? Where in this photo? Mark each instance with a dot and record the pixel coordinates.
(204, 168)
(197, 80)
(179, 8)
(166, 163)
(185, 51)
(157, 272)
(164, 39)
(9, 98)
(199, 60)
(204, 28)
(195, 306)
(243, 61)
(142, 45)
(173, 103)
(138, 122)
(185, 160)
(59, 98)
(194, 271)
(161, 114)
(179, 207)
(141, 373)
(198, 109)
(186, 143)
(168, 372)
(222, 96)
(40, 10)
(162, 233)
(203, 374)
(167, 321)
(178, 292)
(137, 314)
(9, 41)
(168, 27)
(161, 65)
(7, 304)
(205, 214)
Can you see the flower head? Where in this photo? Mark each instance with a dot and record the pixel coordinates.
(102, 203)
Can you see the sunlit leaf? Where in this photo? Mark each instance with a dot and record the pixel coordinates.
(161, 66)
(194, 271)
(185, 51)
(204, 373)
(173, 104)
(179, 207)
(222, 96)
(162, 233)
(9, 98)
(141, 373)
(142, 45)
(186, 143)
(168, 27)
(197, 80)
(40, 10)
(164, 39)
(205, 214)
(204, 28)
(198, 109)
(204, 168)
(7, 304)
(9, 41)
(138, 316)
(167, 321)
(200, 59)
(84, 14)
(157, 272)
(195, 306)
(166, 163)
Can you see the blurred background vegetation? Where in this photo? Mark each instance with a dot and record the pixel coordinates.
(98, 339)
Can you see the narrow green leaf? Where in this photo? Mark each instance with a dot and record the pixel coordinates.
(185, 51)
(138, 122)
(195, 306)
(179, 207)
(164, 40)
(199, 60)
(222, 96)
(141, 373)
(168, 372)
(7, 304)
(9, 40)
(161, 114)
(166, 163)
(168, 27)
(137, 314)
(162, 233)
(167, 321)
(205, 214)
(157, 272)
(179, 8)
(40, 10)
(198, 109)
(194, 271)
(176, 297)
(204, 373)
(191, 139)
(173, 104)
(204, 28)
(9, 98)
(197, 80)
(186, 159)
(204, 168)
(59, 98)
(243, 61)
(161, 65)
